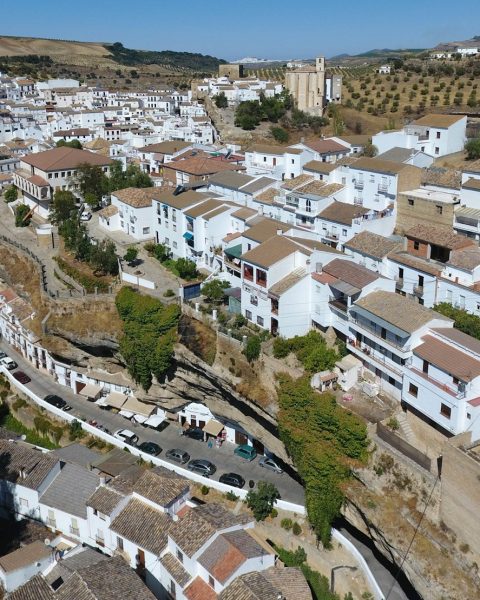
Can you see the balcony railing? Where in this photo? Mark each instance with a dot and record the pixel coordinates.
(399, 283)
(358, 201)
(75, 531)
(383, 188)
(370, 330)
(330, 235)
(459, 394)
(418, 290)
(373, 355)
(359, 184)
(51, 523)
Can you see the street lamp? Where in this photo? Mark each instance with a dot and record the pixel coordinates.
(332, 575)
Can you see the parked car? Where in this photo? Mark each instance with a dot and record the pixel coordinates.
(126, 436)
(55, 401)
(22, 377)
(150, 448)
(195, 433)
(177, 455)
(269, 463)
(232, 479)
(8, 363)
(201, 466)
(86, 215)
(2, 355)
(246, 452)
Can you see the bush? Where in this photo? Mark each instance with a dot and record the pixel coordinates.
(205, 490)
(296, 529)
(21, 216)
(11, 194)
(75, 430)
(220, 100)
(168, 293)
(273, 513)
(393, 423)
(279, 134)
(261, 502)
(281, 347)
(19, 403)
(286, 524)
(472, 148)
(231, 496)
(252, 348)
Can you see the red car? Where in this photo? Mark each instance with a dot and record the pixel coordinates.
(22, 377)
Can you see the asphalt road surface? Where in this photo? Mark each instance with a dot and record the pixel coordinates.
(223, 457)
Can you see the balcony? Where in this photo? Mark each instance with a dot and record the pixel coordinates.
(398, 283)
(75, 531)
(374, 357)
(382, 188)
(460, 395)
(359, 184)
(363, 328)
(418, 290)
(330, 235)
(358, 201)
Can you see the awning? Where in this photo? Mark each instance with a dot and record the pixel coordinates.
(344, 288)
(126, 413)
(234, 251)
(213, 427)
(188, 235)
(101, 402)
(139, 418)
(138, 408)
(115, 399)
(154, 420)
(91, 391)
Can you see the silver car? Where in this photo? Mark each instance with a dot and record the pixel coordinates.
(269, 463)
(179, 456)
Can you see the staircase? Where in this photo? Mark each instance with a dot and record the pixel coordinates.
(405, 428)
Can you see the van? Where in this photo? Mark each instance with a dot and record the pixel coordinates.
(8, 363)
(246, 452)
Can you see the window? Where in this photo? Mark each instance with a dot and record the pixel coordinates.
(179, 556)
(175, 245)
(439, 209)
(264, 159)
(119, 543)
(211, 581)
(445, 411)
(391, 380)
(260, 321)
(293, 161)
(416, 245)
(261, 277)
(132, 229)
(438, 135)
(437, 150)
(344, 180)
(146, 230)
(400, 273)
(167, 241)
(254, 300)
(23, 502)
(172, 590)
(411, 202)
(308, 205)
(413, 390)
(344, 232)
(248, 315)
(469, 416)
(122, 224)
(455, 380)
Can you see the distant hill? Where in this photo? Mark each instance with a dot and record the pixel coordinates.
(377, 55)
(473, 41)
(103, 54)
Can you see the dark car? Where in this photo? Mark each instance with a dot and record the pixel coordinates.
(22, 377)
(177, 455)
(202, 467)
(55, 401)
(150, 448)
(195, 433)
(233, 479)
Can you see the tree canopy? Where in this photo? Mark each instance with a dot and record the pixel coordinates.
(473, 149)
(133, 176)
(11, 193)
(71, 144)
(214, 290)
(261, 501)
(62, 207)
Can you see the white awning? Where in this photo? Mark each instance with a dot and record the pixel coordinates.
(154, 420)
(213, 427)
(91, 391)
(115, 399)
(139, 418)
(137, 407)
(126, 413)
(101, 402)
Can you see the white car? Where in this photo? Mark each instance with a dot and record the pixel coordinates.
(126, 436)
(86, 215)
(8, 363)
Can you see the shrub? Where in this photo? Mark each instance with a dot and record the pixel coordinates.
(393, 423)
(281, 347)
(261, 502)
(22, 218)
(75, 430)
(286, 524)
(19, 403)
(11, 194)
(252, 348)
(168, 293)
(296, 529)
(273, 513)
(279, 134)
(231, 496)
(205, 490)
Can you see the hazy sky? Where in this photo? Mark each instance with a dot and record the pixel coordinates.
(234, 29)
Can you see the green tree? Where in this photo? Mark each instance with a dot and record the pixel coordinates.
(161, 252)
(62, 207)
(71, 144)
(11, 194)
(472, 148)
(103, 257)
(131, 254)
(133, 176)
(252, 348)
(214, 290)
(21, 215)
(93, 183)
(261, 501)
(279, 134)
(248, 114)
(220, 100)
(186, 268)
(370, 150)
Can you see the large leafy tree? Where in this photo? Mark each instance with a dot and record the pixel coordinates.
(11, 194)
(133, 176)
(62, 207)
(261, 501)
(93, 183)
(214, 290)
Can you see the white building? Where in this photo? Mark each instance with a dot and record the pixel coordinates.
(130, 211)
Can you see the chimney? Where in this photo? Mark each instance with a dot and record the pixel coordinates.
(318, 267)
(302, 140)
(103, 480)
(279, 231)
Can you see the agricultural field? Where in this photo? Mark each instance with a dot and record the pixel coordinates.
(271, 73)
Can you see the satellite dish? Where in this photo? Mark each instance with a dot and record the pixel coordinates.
(46, 541)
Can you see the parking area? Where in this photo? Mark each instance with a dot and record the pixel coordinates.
(222, 457)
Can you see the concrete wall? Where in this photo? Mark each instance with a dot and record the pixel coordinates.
(425, 212)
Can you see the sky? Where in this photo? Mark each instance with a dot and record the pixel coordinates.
(281, 29)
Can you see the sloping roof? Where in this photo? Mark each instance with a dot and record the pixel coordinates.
(203, 165)
(244, 213)
(104, 500)
(472, 184)
(175, 569)
(108, 211)
(441, 177)
(143, 525)
(181, 201)
(251, 586)
(17, 459)
(290, 581)
(266, 149)
(397, 154)
(438, 120)
(230, 180)
(35, 589)
(343, 213)
(264, 228)
(320, 188)
(77, 454)
(24, 556)
(439, 236)
(376, 165)
(466, 258)
(326, 146)
(70, 490)
(317, 166)
(38, 181)
(192, 531)
(416, 262)
(372, 244)
(270, 252)
(449, 359)
(472, 167)
(168, 147)
(115, 462)
(267, 196)
(287, 282)
(459, 338)
(160, 490)
(400, 311)
(257, 185)
(64, 158)
(350, 272)
(295, 182)
(203, 208)
(136, 197)
(79, 558)
(199, 590)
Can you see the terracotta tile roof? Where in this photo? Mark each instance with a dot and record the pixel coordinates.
(37, 180)
(341, 212)
(400, 311)
(466, 258)
(252, 586)
(320, 188)
(160, 490)
(350, 272)
(448, 359)
(199, 590)
(181, 201)
(278, 150)
(287, 282)
(442, 177)
(136, 197)
(326, 146)
(108, 211)
(24, 556)
(192, 531)
(372, 244)
(290, 581)
(472, 184)
(416, 262)
(324, 277)
(258, 184)
(264, 229)
(272, 251)
(459, 338)
(438, 120)
(267, 197)
(243, 214)
(296, 182)
(35, 589)
(472, 167)
(439, 236)
(317, 166)
(17, 459)
(64, 158)
(105, 500)
(143, 525)
(175, 569)
(72, 132)
(203, 208)
(168, 147)
(230, 180)
(203, 165)
(231, 236)
(376, 165)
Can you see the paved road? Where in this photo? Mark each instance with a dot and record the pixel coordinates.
(382, 575)
(223, 457)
